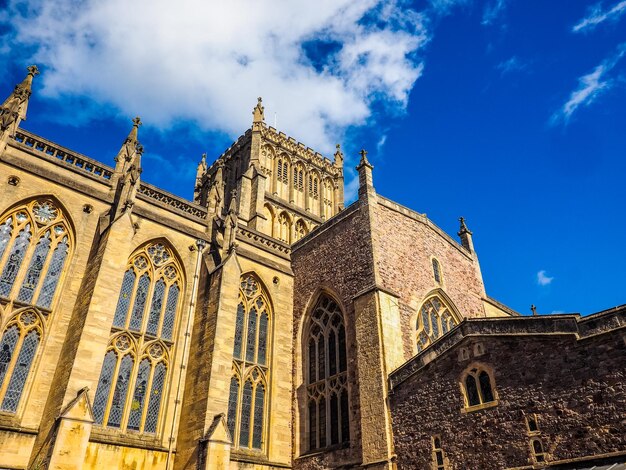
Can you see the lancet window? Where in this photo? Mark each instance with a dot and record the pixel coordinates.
(328, 422)
(34, 246)
(436, 271)
(298, 178)
(18, 348)
(478, 387)
(133, 379)
(300, 229)
(435, 319)
(249, 393)
(284, 227)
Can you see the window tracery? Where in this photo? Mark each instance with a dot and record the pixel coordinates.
(284, 227)
(34, 246)
(433, 321)
(478, 387)
(18, 347)
(250, 372)
(328, 421)
(132, 381)
(300, 230)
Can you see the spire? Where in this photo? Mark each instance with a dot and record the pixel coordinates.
(14, 107)
(338, 156)
(366, 181)
(230, 225)
(258, 114)
(130, 147)
(466, 235)
(127, 172)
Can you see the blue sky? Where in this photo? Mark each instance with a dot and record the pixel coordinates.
(508, 112)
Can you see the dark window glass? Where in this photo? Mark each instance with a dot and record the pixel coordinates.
(334, 419)
(124, 301)
(251, 342)
(532, 424)
(239, 331)
(472, 391)
(246, 408)
(342, 349)
(312, 425)
(156, 392)
(257, 431)
(485, 387)
(139, 395)
(140, 302)
(155, 308)
(104, 386)
(321, 358)
(20, 372)
(436, 272)
(262, 338)
(437, 443)
(232, 406)
(322, 428)
(34, 269)
(332, 354)
(53, 275)
(345, 417)
(312, 361)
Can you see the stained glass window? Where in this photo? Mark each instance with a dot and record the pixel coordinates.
(156, 392)
(120, 391)
(6, 229)
(328, 422)
(246, 404)
(434, 320)
(7, 350)
(20, 372)
(257, 430)
(130, 392)
(35, 268)
(141, 295)
(14, 261)
(156, 307)
(124, 300)
(139, 395)
(170, 312)
(104, 385)
(54, 274)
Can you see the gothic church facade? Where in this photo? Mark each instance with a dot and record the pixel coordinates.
(256, 327)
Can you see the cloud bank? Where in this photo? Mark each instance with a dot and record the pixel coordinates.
(590, 87)
(320, 66)
(597, 15)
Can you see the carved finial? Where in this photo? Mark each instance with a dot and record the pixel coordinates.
(463, 229)
(32, 70)
(534, 310)
(338, 156)
(232, 207)
(203, 160)
(137, 122)
(258, 113)
(139, 149)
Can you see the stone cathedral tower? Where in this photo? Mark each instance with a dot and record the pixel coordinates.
(255, 327)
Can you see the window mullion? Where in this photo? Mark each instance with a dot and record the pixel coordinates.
(25, 264)
(166, 295)
(130, 392)
(133, 295)
(115, 376)
(146, 400)
(9, 372)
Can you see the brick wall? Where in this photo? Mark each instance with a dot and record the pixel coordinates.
(577, 388)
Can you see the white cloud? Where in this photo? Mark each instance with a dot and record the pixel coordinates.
(543, 279)
(492, 11)
(597, 15)
(513, 64)
(206, 62)
(590, 87)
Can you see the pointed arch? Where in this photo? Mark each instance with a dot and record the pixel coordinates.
(133, 379)
(325, 362)
(436, 316)
(301, 230)
(37, 238)
(270, 216)
(284, 227)
(283, 170)
(249, 387)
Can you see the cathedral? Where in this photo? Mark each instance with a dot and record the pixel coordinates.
(264, 325)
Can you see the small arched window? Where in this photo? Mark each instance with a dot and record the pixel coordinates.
(134, 371)
(18, 348)
(478, 387)
(435, 319)
(438, 456)
(537, 449)
(328, 421)
(436, 271)
(248, 386)
(34, 246)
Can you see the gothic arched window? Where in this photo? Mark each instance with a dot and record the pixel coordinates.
(434, 319)
(436, 271)
(133, 376)
(18, 347)
(249, 392)
(478, 387)
(328, 422)
(34, 245)
(300, 229)
(284, 227)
